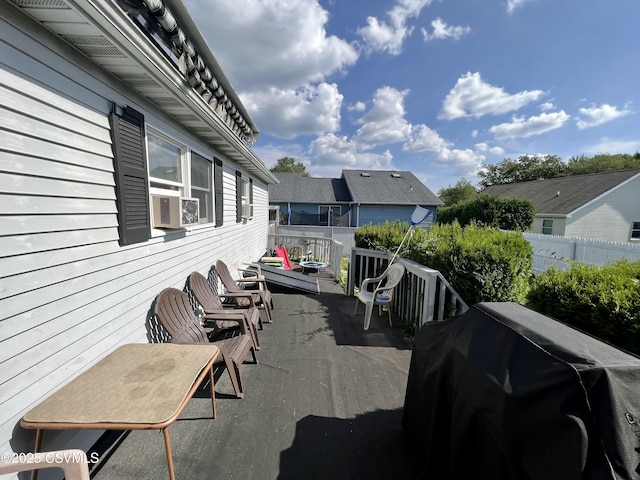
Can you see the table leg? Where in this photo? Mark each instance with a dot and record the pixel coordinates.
(213, 393)
(36, 449)
(167, 447)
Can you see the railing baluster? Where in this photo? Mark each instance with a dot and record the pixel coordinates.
(426, 294)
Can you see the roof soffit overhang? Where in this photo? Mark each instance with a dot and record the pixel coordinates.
(105, 34)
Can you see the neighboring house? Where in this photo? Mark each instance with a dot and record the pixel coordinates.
(357, 198)
(99, 116)
(603, 206)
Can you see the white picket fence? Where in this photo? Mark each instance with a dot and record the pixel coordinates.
(551, 250)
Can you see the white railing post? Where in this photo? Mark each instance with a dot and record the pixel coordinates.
(426, 290)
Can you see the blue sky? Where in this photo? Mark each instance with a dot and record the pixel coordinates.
(435, 87)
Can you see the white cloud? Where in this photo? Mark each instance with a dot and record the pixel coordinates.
(278, 56)
(272, 44)
(465, 161)
(288, 113)
(546, 106)
(474, 133)
(473, 97)
(593, 115)
(521, 127)
(441, 31)
(384, 123)
(485, 147)
(513, 4)
(332, 153)
(357, 107)
(423, 139)
(380, 36)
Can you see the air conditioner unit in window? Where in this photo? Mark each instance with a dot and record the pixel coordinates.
(174, 212)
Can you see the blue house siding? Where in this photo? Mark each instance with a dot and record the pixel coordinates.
(379, 214)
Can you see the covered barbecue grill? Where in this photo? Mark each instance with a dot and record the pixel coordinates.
(502, 392)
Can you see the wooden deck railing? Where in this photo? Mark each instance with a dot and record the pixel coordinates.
(424, 295)
(304, 247)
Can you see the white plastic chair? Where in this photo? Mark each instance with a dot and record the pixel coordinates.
(382, 294)
(72, 462)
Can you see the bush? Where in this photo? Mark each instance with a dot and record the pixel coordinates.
(481, 264)
(490, 211)
(602, 301)
(381, 237)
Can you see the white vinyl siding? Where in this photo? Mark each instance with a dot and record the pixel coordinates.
(69, 294)
(608, 217)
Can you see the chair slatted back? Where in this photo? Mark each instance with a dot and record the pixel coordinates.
(225, 277)
(231, 286)
(202, 292)
(174, 312)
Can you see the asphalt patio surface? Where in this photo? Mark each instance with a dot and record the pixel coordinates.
(324, 402)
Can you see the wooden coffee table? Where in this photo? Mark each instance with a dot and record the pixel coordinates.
(135, 387)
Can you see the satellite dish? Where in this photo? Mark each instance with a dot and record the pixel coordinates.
(418, 215)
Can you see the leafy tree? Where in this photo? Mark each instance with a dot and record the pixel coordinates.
(531, 167)
(462, 191)
(526, 168)
(288, 164)
(603, 162)
(490, 211)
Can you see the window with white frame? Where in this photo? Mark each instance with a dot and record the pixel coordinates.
(547, 227)
(146, 163)
(175, 171)
(244, 198)
(201, 188)
(635, 231)
(166, 163)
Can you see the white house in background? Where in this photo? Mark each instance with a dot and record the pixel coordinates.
(105, 105)
(604, 206)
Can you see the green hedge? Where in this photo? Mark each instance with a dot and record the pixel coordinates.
(603, 301)
(491, 211)
(481, 264)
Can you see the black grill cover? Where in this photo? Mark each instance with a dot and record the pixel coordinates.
(503, 392)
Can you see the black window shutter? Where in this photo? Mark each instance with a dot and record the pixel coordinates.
(238, 197)
(132, 181)
(219, 193)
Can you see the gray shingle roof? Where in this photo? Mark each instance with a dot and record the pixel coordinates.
(374, 187)
(388, 187)
(295, 188)
(565, 194)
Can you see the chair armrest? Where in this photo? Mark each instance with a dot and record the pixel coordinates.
(367, 281)
(248, 295)
(252, 268)
(256, 279)
(228, 316)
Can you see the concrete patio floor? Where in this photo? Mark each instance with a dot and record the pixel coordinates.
(324, 402)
